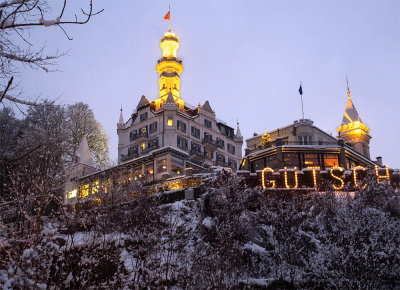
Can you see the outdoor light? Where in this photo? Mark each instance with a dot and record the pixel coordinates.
(355, 175)
(336, 187)
(379, 177)
(295, 179)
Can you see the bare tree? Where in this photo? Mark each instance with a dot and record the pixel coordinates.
(17, 19)
(81, 122)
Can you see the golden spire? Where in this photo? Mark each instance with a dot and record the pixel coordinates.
(169, 68)
(348, 89)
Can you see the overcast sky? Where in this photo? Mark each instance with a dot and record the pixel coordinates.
(246, 57)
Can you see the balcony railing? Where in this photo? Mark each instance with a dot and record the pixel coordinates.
(197, 153)
(170, 59)
(129, 156)
(137, 136)
(149, 149)
(222, 163)
(307, 143)
(209, 141)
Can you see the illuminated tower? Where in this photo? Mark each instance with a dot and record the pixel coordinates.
(353, 130)
(169, 67)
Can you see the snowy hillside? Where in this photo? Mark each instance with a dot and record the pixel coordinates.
(231, 236)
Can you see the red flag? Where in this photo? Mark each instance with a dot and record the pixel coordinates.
(166, 17)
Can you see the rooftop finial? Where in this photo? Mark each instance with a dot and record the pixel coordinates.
(348, 89)
(121, 117)
(168, 17)
(238, 133)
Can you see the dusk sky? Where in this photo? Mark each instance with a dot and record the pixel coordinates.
(246, 58)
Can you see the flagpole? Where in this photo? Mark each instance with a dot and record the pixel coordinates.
(301, 95)
(169, 20)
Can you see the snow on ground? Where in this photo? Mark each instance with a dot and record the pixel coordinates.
(254, 247)
(207, 222)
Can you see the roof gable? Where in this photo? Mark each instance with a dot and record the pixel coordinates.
(143, 102)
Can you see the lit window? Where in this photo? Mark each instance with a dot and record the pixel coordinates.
(161, 165)
(310, 159)
(143, 145)
(95, 187)
(72, 193)
(85, 190)
(170, 122)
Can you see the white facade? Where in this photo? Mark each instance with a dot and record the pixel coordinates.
(195, 131)
(301, 132)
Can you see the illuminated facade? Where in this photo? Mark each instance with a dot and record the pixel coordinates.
(303, 145)
(353, 131)
(197, 137)
(163, 139)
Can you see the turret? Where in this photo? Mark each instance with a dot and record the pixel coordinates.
(121, 122)
(81, 166)
(239, 136)
(353, 131)
(169, 68)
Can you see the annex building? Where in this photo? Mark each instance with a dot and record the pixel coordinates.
(303, 145)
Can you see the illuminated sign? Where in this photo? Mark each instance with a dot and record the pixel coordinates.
(312, 177)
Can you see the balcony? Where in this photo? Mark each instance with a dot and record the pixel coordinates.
(197, 156)
(140, 137)
(149, 149)
(210, 144)
(223, 163)
(170, 59)
(312, 143)
(127, 157)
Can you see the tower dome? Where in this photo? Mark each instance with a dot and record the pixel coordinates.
(169, 68)
(169, 44)
(353, 130)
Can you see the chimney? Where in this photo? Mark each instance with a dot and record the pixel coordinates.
(379, 161)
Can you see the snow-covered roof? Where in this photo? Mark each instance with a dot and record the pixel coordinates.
(83, 153)
(350, 113)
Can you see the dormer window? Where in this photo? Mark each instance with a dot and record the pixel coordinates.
(143, 117)
(207, 123)
(305, 140)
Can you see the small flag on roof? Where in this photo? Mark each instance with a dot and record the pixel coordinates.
(167, 16)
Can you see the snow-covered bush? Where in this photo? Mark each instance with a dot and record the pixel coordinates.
(231, 236)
